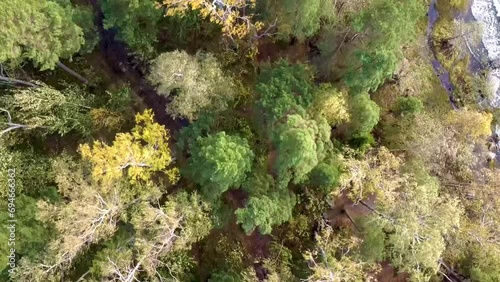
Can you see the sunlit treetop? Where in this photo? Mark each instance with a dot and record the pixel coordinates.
(229, 14)
(137, 155)
(41, 31)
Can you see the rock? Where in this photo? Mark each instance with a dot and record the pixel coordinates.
(490, 156)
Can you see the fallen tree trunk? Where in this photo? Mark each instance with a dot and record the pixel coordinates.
(18, 82)
(72, 72)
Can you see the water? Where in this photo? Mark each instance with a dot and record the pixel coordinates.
(439, 70)
(487, 12)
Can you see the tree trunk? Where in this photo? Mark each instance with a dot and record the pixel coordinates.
(18, 82)
(351, 220)
(376, 211)
(72, 72)
(457, 36)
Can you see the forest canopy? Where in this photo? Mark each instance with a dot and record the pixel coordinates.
(246, 140)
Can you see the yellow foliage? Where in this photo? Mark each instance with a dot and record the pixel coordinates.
(227, 13)
(335, 110)
(470, 123)
(459, 4)
(106, 119)
(332, 105)
(138, 154)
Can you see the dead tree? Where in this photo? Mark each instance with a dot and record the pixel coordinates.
(11, 125)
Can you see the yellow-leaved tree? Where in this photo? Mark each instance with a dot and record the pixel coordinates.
(332, 104)
(470, 123)
(137, 155)
(229, 14)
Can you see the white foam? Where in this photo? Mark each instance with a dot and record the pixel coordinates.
(487, 12)
(496, 3)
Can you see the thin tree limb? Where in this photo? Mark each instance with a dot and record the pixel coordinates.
(72, 72)
(18, 82)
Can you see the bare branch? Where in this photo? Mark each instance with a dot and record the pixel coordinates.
(19, 82)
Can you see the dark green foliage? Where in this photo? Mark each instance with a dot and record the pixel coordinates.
(199, 128)
(408, 106)
(284, 89)
(325, 176)
(219, 162)
(259, 182)
(373, 246)
(187, 32)
(119, 100)
(264, 212)
(32, 235)
(279, 263)
(376, 67)
(386, 27)
(34, 176)
(225, 276)
(136, 22)
(362, 142)
(118, 249)
(364, 115)
(83, 16)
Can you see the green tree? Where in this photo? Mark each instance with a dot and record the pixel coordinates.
(301, 145)
(198, 82)
(364, 115)
(219, 162)
(83, 16)
(284, 88)
(383, 24)
(265, 212)
(48, 109)
(300, 19)
(325, 263)
(234, 17)
(279, 264)
(330, 104)
(325, 176)
(159, 234)
(138, 154)
(413, 246)
(408, 105)
(248, 275)
(90, 215)
(32, 235)
(136, 22)
(372, 249)
(475, 251)
(33, 172)
(41, 31)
